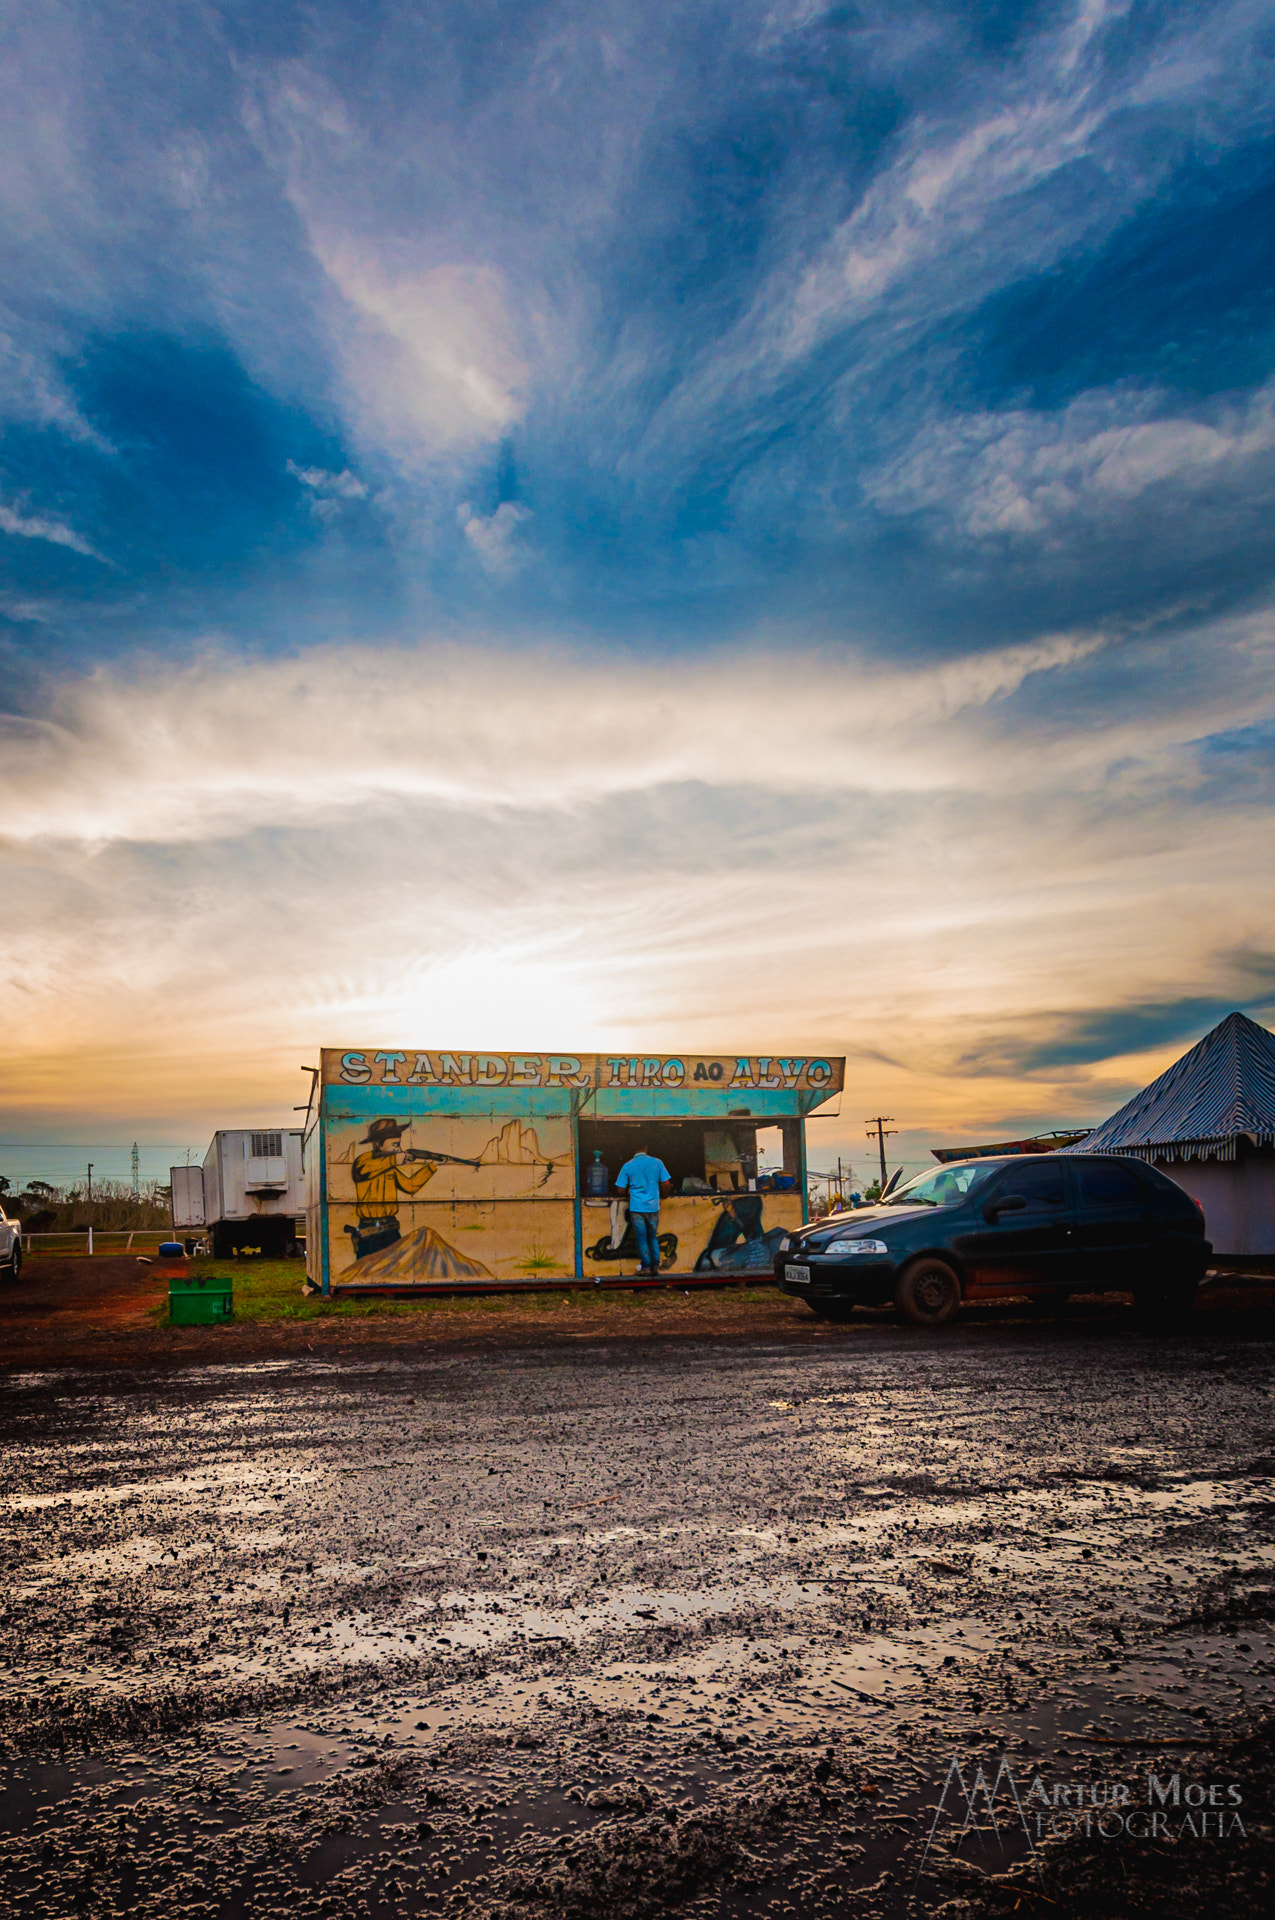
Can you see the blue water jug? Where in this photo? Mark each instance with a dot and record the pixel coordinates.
(597, 1178)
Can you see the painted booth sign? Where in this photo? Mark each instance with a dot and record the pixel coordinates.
(669, 1071)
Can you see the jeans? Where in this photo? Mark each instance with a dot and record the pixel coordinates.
(646, 1232)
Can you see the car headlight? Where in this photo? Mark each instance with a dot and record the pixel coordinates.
(784, 1244)
(847, 1249)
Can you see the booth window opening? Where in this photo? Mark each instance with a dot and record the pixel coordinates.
(729, 1155)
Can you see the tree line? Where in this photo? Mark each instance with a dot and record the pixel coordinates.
(43, 1208)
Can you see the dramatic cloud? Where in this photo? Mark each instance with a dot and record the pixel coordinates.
(456, 839)
(685, 523)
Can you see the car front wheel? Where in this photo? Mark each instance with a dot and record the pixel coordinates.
(14, 1264)
(928, 1293)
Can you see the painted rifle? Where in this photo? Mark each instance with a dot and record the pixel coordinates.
(455, 1160)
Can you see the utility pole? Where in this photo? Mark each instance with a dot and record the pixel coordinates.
(137, 1172)
(91, 1183)
(877, 1125)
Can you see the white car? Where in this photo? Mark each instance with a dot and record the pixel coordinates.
(10, 1247)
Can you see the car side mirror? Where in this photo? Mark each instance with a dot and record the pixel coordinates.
(1012, 1203)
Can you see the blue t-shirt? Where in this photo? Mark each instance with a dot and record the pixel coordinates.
(640, 1177)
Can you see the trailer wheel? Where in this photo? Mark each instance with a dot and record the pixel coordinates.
(928, 1293)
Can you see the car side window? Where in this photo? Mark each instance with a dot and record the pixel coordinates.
(1040, 1186)
(1108, 1185)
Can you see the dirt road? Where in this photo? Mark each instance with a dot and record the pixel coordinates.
(638, 1626)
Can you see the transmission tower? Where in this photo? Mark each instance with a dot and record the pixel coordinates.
(135, 1159)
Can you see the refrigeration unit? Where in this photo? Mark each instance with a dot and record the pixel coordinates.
(249, 1195)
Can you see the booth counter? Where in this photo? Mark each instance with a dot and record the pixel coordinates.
(476, 1170)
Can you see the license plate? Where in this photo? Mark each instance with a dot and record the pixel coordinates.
(799, 1276)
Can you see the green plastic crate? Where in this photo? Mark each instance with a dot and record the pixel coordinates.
(200, 1299)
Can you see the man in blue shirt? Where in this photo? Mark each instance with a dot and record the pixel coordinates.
(644, 1179)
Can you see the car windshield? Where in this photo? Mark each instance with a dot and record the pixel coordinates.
(944, 1187)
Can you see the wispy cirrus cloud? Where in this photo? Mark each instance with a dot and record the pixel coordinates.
(336, 486)
(429, 356)
(330, 493)
(494, 536)
(169, 753)
(427, 348)
(33, 389)
(1025, 473)
(39, 526)
(1033, 162)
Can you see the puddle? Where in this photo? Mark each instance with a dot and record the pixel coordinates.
(449, 1822)
(393, 1671)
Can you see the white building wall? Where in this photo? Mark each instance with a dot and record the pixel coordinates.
(1238, 1198)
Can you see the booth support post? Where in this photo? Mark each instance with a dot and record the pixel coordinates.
(321, 1134)
(577, 1206)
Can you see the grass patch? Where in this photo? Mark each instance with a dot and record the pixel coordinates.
(271, 1290)
(267, 1290)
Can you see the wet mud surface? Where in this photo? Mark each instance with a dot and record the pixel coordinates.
(642, 1627)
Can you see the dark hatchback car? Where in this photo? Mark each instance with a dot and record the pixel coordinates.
(1045, 1225)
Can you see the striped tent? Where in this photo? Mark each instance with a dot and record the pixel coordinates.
(1205, 1105)
(1209, 1123)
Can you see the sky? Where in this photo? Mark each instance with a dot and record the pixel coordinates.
(683, 526)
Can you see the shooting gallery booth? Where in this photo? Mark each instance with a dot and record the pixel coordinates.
(479, 1170)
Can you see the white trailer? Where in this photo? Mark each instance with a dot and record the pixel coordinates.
(249, 1193)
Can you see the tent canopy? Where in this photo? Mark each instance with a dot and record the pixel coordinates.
(1221, 1092)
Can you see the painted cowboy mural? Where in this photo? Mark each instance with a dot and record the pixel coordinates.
(382, 1174)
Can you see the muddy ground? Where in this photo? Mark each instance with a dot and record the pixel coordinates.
(111, 1311)
(643, 1618)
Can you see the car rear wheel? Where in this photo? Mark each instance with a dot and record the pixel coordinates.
(928, 1293)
